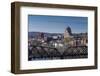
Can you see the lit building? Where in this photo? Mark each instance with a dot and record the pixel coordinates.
(79, 39)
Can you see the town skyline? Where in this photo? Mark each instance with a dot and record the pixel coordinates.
(56, 24)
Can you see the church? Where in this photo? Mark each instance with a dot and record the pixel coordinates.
(79, 39)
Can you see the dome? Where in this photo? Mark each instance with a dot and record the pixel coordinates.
(69, 30)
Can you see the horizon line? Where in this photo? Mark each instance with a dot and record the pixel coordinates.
(57, 32)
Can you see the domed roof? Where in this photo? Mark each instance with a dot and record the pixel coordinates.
(68, 29)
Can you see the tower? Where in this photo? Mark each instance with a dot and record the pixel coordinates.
(67, 32)
(40, 35)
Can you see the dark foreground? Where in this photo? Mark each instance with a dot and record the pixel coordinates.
(47, 53)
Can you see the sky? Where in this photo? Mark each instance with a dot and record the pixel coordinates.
(57, 24)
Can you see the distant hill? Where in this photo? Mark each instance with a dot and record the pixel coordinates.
(33, 34)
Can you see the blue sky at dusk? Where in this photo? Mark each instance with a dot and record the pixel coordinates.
(57, 24)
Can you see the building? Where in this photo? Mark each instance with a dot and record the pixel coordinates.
(68, 32)
(40, 35)
(79, 39)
